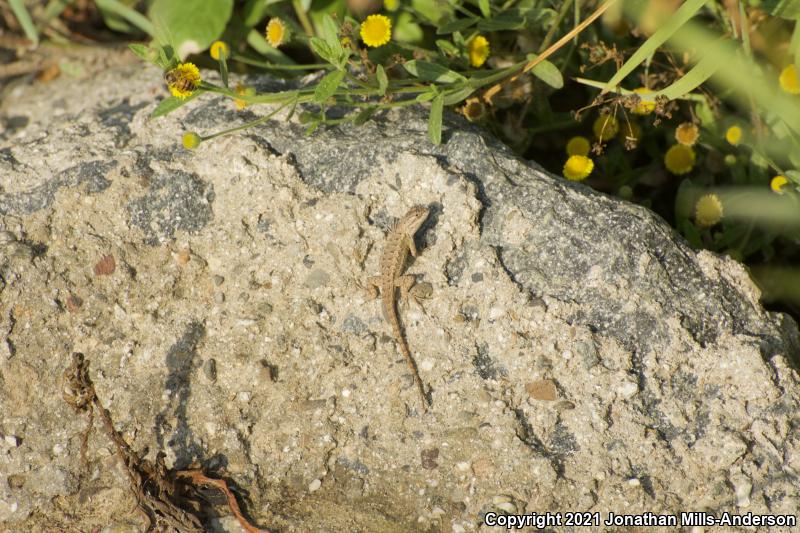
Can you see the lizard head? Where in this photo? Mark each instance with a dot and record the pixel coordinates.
(416, 216)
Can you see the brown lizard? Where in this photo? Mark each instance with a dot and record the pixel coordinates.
(399, 243)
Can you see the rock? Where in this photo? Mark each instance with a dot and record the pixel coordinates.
(669, 372)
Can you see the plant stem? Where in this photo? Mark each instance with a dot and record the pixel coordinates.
(302, 16)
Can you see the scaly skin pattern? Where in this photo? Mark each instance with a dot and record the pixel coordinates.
(400, 243)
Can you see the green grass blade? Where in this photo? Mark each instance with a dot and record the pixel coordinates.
(698, 75)
(24, 19)
(131, 15)
(54, 8)
(740, 76)
(223, 70)
(435, 119)
(675, 22)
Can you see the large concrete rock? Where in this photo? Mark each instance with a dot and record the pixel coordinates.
(581, 356)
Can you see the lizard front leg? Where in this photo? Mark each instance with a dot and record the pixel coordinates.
(373, 284)
(412, 247)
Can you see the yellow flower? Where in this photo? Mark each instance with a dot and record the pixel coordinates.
(578, 146)
(391, 5)
(277, 32)
(708, 211)
(778, 183)
(605, 127)
(643, 107)
(733, 135)
(376, 30)
(191, 140)
(243, 91)
(687, 133)
(220, 49)
(679, 159)
(578, 167)
(788, 80)
(183, 80)
(478, 51)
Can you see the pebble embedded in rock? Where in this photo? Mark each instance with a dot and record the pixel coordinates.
(542, 389)
(210, 369)
(105, 266)
(429, 458)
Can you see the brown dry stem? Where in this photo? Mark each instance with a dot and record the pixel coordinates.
(166, 497)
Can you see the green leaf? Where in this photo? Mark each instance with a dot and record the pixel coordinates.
(406, 30)
(223, 70)
(323, 50)
(170, 104)
(457, 95)
(547, 72)
(126, 13)
(435, 120)
(143, 51)
(116, 21)
(456, 25)
(705, 114)
(327, 86)
(486, 9)
(166, 57)
(446, 48)
(675, 22)
(690, 233)
(427, 96)
(427, 71)
(788, 9)
(510, 19)
(191, 25)
(330, 33)
(383, 80)
(793, 175)
(329, 30)
(156, 55)
(255, 10)
(24, 19)
(432, 11)
(364, 115)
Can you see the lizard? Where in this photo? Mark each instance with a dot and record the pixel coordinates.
(399, 244)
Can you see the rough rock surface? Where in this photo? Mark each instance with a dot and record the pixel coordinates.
(581, 356)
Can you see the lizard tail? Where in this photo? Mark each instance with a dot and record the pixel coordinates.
(412, 366)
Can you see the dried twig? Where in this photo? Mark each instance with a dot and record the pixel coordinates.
(166, 497)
